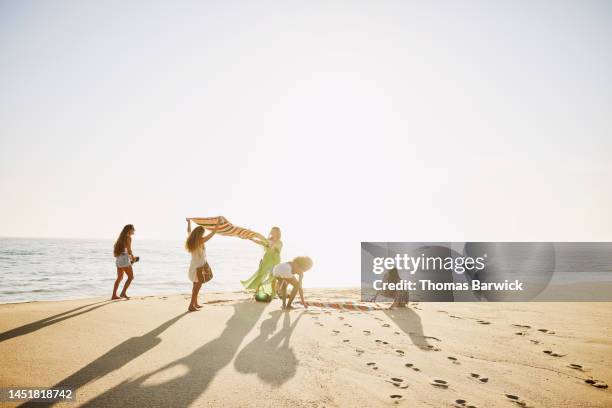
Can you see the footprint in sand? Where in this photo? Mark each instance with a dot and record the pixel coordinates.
(482, 322)
(596, 383)
(359, 351)
(516, 399)
(397, 382)
(429, 346)
(546, 331)
(400, 352)
(454, 317)
(522, 326)
(553, 354)
(397, 333)
(335, 331)
(319, 324)
(346, 341)
(521, 333)
(575, 366)
(535, 341)
(372, 365)
(479, 378)
(410, 365)
(461, 403)
(367, 332)
(340, 317)
(395, 396)
(439, 383)
(386, 325)
(454, 360)
(347, 325)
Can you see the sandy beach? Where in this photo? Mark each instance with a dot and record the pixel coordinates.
(235, 352)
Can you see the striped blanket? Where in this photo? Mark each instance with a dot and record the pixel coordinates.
(347, 306)
(226, 228)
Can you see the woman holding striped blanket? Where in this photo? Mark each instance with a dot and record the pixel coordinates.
(199, 269)
(262, 280)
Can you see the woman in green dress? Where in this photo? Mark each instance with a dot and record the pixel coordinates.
(262, 280)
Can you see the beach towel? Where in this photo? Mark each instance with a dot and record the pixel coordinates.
(226, 228)
(347, 306)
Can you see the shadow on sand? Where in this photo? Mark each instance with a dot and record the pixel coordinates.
(48, 321)
(112, 360)
(269, 354)
(198, 369)
(410, 323)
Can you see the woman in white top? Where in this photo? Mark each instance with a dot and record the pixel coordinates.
(199, 270)
(284, 272)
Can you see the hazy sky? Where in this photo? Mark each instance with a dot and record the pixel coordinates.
(338, 121)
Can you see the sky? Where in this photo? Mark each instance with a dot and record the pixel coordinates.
(340, 122)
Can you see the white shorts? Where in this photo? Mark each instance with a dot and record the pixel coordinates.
(123, 261)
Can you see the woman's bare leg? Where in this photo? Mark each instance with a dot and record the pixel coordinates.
(282, 290)
(193, 306)
(194, 296)
(197, 305)
(198, 286)
(117, 282)
(295, 287)
(130, 274)
(294, 292)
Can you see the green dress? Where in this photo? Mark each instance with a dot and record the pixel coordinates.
(262, 280)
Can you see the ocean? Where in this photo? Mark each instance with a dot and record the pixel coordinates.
(33, 269)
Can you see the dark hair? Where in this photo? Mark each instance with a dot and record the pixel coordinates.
(121, 242)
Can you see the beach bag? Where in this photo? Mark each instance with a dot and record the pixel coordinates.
(204, 273)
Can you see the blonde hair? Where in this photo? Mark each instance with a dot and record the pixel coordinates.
(272, 230)
(304, 262)
(194, 240)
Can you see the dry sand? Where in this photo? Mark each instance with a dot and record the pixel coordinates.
(236, 352)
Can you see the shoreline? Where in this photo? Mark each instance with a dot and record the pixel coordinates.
(203, 293)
